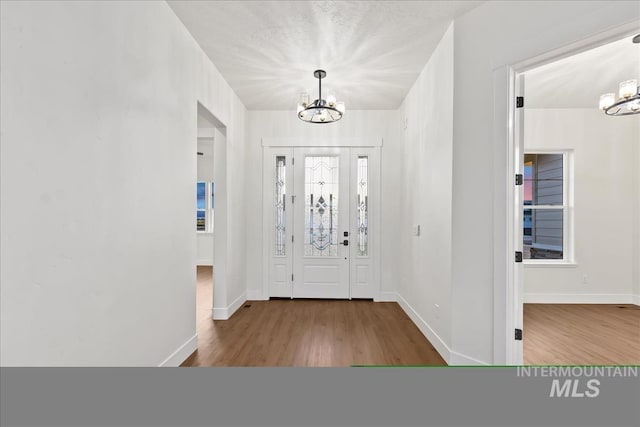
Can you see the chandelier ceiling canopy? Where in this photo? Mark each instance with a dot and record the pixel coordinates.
(320, 110)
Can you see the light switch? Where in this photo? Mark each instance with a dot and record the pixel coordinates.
(416, 230)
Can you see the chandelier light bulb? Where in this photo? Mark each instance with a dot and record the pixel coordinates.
(304, 100)
(628, 88)
(331, 101)
(607, 100)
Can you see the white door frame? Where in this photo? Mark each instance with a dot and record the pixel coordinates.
(273, 147)
(508, 300)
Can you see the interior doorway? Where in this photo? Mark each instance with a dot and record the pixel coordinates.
(576, 215)
(210, 216)
(205, 209)
(320, 203)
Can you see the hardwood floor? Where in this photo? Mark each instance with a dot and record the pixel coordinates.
(308, 333)
(581, 334)
(204, 295)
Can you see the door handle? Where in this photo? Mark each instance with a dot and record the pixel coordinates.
(344, 242)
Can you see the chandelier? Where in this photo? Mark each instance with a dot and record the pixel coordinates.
(628, 101)
(320, 110)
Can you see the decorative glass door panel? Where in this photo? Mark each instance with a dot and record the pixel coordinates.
(321, 221)
(362, 205)
(280, 206)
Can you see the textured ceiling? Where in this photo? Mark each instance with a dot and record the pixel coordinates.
(578, 81)
(267, 51)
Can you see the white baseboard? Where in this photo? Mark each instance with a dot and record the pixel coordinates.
(206, 262)
(181, 354)
(224, 313)
(255, 295)
(579, 298)
(426, 330)
(635, 299)
(463, 359)
(385, 296)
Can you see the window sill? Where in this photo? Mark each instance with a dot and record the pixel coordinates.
(549, 264)
(204, 232)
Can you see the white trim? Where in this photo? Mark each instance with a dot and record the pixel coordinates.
(529, 263)
(635, 299)
(256, 295)
(426, 330)
(206, 133)
(463, 359)
(181, 354)
(205, 262)
(321, 142)
(540, 298)
(224, 313)
(591, 42)
(386, 296)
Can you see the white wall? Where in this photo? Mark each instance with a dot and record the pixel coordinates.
(423, 197)
(486, 40)
(603, 149)
(369, 124)
(99, 106)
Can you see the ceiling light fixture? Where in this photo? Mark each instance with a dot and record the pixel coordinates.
(320, 110)
(628, 101)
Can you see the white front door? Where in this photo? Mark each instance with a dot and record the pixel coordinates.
(321, 223)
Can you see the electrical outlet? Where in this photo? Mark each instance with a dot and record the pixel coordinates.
(584, 279)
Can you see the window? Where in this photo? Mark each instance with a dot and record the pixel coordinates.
(204, 206)
(546, 209)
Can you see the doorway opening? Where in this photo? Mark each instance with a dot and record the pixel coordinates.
(576, 210)
(210, 215)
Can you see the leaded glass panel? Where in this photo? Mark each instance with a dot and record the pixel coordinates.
(321, 206)
(280, 198)
(362, 208)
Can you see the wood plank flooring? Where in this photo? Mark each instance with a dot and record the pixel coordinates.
(345, 333)
(308, 333)
(581, 334)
